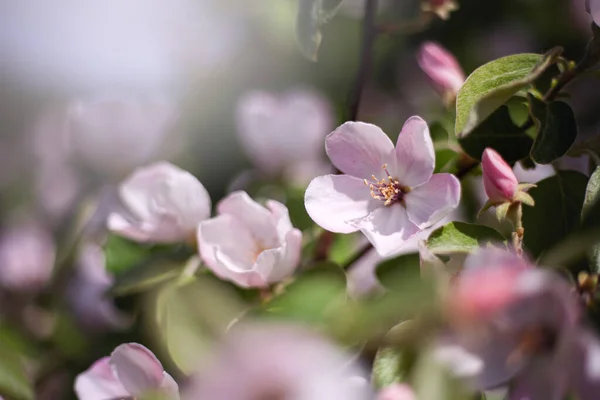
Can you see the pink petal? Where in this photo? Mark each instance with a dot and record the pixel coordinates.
(281, 216)
(242, 275)
(387, 228)
(397, 391)
(414, 150)
(584, 366)
(226, 235)
(499, 179)
(360, 150)
(432, 201)
(277, 264)
(137, 368)
(441, 67)
(252, 215)
(487, 257)
(541, 381)
(99, 383)
(333, 201)
(120, 225)
(593, 7)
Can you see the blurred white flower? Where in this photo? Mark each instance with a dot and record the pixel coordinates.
(113, 135)
(284, 134)
(87, 292)
(131, 371)
(27, 256)
(278, 362)
(164, 204)
(249, 244)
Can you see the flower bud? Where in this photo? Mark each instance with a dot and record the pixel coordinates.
(396, 391)
(442, 68)
(499, 179)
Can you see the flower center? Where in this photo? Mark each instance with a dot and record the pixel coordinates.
(387, 189)
(533, 341)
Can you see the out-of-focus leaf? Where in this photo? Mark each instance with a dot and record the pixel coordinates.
(392, 272)
(312, 15)
(122, 254)
(190, 317)
(388, 367)
(14, 383)
(492, 84)
(68, 337)
(295, 204)
(431, 380)
(343, 248)
(500, 133)
(461, 237)
(557, 211)
(557, 129)
(445, 161)
(146, 275)
(590, 215)
(312, 298)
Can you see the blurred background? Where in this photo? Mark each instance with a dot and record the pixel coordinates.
(91, 90)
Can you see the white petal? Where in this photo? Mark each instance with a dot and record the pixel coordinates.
(281, 216)
(387, 228)
(332, 201)
(432, 201)
(277, 264)
(99, 383)
(487, 257)
(120, 225)
(360, 150)
(256, 218)
(138, 369)
(414, 149)
(241, 275)
(227, 235)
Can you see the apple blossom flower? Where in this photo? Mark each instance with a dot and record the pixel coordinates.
(514, 323)
(87, 292)
(397, 391)
(278, 362)
(442, 68)
(27, 256)
(115, 134)
(499, 179)
(131, 371)
(248, 244)
(387, 193)
(164, 204)
(283, 134)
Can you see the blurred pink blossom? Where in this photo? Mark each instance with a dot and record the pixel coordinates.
(115, 134)
(593, 7)
(164, 204)
(514, 322)
(248, 244)
(499, 179)
(442, 68)
(130, 371)
(397, 391)
(278, 362)
(87, 292)
(388, 193)
(283, 134)
(27, 256)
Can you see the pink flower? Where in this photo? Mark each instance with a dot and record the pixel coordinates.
(283, 134)
(164, 204)
(387, 193)
(442, 68)
(593, 7)
(525, 331)
(248, 244)
(27, 255)
(278, 362)
(499, 180)
(397, 391)
(130, 371)
(114, 135)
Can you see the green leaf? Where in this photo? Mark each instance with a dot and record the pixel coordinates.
(461, 237)
(388, 367)
(312, 15)
(146, 275)
(14, 383)
(557, 211)
(499, 132)
(312, 298)
(122, 254)
(590, 215)
(434, 381)
(392, 272)
(557, 129)
(492, 84)
(189, 319)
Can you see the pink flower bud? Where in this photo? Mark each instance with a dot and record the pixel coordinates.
(499, 179)
(442, 68)
(397, 391)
